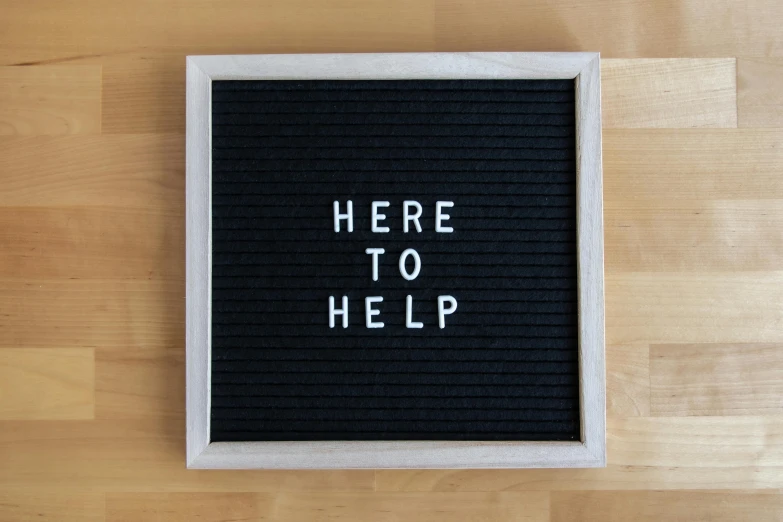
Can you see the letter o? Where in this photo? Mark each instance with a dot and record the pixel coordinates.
(416, 264)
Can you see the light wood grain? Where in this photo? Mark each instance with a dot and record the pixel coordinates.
(52, 505)
(63, 31)
(144, 93)
(692, 164)
(320, 507)
(628, 380)
(627, 29)
(716, 379)
(175, 507)
(46, 383)
(694, 236)
(692, 256)
(71, 242)
(394, 507)
(64, 99)
(135, 455)
(760, 92)
(613, 477)
(107, 313)
(700, 307)
(136, 170)
(652, 506)
(691, 442)
(145, 382)
(644, 453)
(676, 93)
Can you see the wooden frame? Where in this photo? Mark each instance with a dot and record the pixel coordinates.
(589, 452)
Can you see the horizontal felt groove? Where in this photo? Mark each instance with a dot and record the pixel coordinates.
(546, 210)
(381, 435)
(424, 424)
(558, 370)
(316, 233)
(474, 247)
(479, 283)
(379, 355)
(465, 212)
(350, 378)
(393, 118)
(430, 164)
(526, 179)
(551, 432)
(329, 237)
(389, 366)
(225, 273)
(566, 351)
(335, 259)
(465, 318)
(276, 206)
(359, 130)
(292, 314)
(220, 282)
(395, 343)
(268, 332)
(305, 97)
(354, 257)
(391, 391)
(300, 307)
(394, 85)
(371, 190)
(372, 107)
(221, 331)
(432, 426)
(222, 157)
(381, 402)
(262, 225)
(464, 295)
(311, 217)
(388, 268)
(271, 399)
(371, 403)
(531, 297)
(349, 413)
(316, 264)
(426, 142)
(436, 418)
(356, 186)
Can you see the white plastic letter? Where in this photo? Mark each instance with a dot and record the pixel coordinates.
(340, 311)
(369, 311)
(374, 252)
(411, 217)
(443, 312)
(409, 314)
(348, 216)
(416, 264)
(440, 217)
(378, 217)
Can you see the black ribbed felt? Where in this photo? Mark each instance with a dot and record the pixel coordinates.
(505, 366)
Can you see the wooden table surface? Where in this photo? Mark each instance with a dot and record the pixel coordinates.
(92, 259)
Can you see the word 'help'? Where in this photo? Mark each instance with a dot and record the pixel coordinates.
(370, 312)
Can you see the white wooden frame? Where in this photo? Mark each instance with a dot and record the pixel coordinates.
(589, 452)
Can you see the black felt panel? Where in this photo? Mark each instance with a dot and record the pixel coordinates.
(505, 366)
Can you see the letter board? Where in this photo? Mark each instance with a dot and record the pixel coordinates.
(394, 260)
